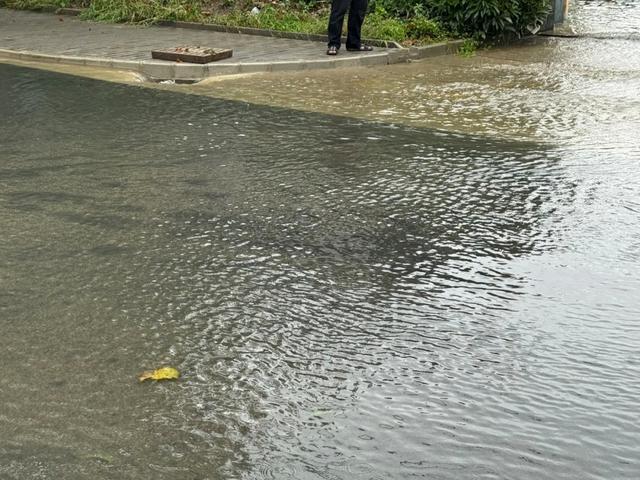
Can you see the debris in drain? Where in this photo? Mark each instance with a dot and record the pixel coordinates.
(192, 54)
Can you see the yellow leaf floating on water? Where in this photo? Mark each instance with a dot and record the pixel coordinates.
(165, 373)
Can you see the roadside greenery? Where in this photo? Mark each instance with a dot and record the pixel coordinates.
(478, 18)
(468, 48)
(35, 4)
(143, 11)
(406, 21)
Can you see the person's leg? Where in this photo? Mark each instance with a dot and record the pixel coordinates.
(357, 13)
(336, 19)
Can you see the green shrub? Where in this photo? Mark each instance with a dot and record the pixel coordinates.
(379, 24)
(533, 13)
(468, 48)
(398, 20)
(399, 8)
(480, 18)
(424, 28)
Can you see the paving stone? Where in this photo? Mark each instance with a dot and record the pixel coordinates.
(44, 33)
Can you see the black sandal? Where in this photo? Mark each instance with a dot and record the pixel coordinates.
(332, 50)
(361, 48)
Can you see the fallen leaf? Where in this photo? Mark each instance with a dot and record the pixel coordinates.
(165, 373)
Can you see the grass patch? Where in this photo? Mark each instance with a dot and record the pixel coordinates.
(273, 18)
(468, 48)
(378, 24)
(143, 11)
(36, 4)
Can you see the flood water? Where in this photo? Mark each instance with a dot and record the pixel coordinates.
(447, 291)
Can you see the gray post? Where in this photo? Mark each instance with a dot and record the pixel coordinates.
(557, 14)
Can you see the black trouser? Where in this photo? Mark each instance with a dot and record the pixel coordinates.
(357, 11)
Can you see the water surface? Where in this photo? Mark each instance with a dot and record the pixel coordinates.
(346, 299)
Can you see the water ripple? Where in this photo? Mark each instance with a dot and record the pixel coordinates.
(345, 299)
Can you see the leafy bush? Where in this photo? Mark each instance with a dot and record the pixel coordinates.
(398, 20)
(379, 24)
(533, 13)
(423, 27)
(399, 8)
(480, 18)
(468, 48)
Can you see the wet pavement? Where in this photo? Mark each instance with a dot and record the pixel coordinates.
(442, 285)
(543, 89)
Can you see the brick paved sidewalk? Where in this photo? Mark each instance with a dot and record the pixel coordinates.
(64, 39)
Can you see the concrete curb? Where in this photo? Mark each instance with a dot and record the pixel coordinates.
(435, 50)
(72, 12)
(158, 70)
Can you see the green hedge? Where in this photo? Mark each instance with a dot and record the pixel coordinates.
(481, 18)
(391, 18)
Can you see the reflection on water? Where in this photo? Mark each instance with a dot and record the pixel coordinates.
(606, 18)
(345, 299)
